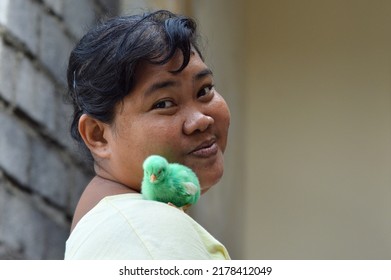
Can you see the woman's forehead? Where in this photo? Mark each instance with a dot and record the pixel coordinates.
(147, 71)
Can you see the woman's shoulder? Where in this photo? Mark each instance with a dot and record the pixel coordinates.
(140, 212)
(150, 219)
(133, 212)
(127, 226)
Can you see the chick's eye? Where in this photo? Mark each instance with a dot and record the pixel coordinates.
(207, 90)
(163, 104)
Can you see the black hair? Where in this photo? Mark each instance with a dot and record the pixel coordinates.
(102, 65)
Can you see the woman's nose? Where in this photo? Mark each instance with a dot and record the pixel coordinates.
(197, 121)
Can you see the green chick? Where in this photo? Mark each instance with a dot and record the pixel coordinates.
(170, 183)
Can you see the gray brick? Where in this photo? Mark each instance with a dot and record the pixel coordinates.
(7, 72)
(21, 19)
(55, 5)
(54, 246)
(54, 183)
(110, 6)
(35, 93)
(44, 101)
(29, 231)
(79, 15)
(7, 253)
(54, 47)
(14, 148)
(62, 123)
(49, 174)
(4, 7)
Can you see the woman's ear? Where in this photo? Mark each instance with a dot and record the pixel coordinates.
(94, 134)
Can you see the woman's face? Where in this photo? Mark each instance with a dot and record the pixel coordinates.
(177, 115)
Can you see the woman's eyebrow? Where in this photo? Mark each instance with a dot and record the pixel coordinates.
(203, 73)
(172, 83)
(160, 85)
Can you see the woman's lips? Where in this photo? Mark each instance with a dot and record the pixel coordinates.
(206, 149)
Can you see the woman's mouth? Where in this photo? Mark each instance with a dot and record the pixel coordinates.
(206, 149)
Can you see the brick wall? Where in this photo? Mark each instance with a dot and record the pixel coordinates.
(41, 173)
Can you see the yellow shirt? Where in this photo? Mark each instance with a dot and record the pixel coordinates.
(128, 227)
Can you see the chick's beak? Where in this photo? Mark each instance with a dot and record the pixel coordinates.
(152, 179)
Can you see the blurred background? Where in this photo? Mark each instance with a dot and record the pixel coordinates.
(308, 165)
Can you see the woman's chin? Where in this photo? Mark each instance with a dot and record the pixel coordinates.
(207, 185)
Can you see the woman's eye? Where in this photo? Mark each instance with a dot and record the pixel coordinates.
(163, 104)
(206, 91)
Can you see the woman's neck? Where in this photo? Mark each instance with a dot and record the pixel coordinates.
(96, 190)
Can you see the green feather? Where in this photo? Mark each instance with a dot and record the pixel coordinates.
(169, 182)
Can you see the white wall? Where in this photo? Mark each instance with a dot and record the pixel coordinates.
(318, 129)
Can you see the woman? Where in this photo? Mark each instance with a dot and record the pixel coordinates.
(139, 87)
